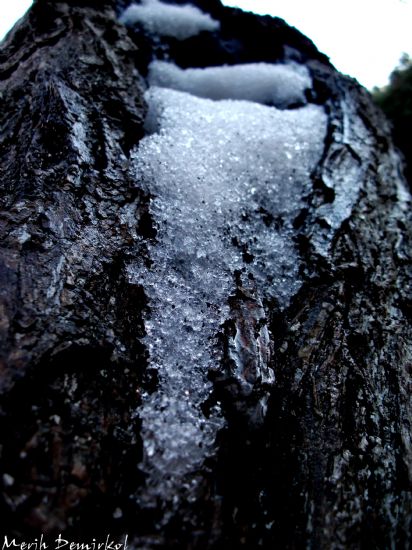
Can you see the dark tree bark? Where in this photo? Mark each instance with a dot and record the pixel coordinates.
(329, 464)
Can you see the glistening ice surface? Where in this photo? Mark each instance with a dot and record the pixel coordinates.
(227, 180)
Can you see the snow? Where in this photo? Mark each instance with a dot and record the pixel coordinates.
(270, 84)
(180, 22)
(226, 177)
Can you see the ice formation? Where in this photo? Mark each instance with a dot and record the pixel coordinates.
(343, 171)
(227, 180)
(270, 84)
(180, 22)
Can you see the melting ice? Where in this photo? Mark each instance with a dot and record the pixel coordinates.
(226, 177)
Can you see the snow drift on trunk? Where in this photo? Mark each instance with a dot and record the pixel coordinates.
(227, 179)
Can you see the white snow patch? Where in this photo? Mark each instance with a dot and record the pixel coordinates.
(221, 173)
(270, 84)
(180, 22)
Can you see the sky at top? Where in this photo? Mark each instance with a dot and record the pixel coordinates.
(363, 38)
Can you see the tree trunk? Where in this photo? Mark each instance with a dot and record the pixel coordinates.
(206, 349)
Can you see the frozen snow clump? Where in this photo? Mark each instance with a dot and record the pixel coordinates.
(227, 180)
(180, 22)
(270, 84)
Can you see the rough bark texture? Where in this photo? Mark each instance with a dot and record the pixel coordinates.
(331, 466)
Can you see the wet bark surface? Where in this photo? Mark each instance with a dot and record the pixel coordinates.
(330, 465)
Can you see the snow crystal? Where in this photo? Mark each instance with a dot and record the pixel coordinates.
(226, 177)
(270, 84)
(180, 22)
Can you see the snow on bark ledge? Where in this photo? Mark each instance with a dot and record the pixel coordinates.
(270, 84)
(179, 22)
